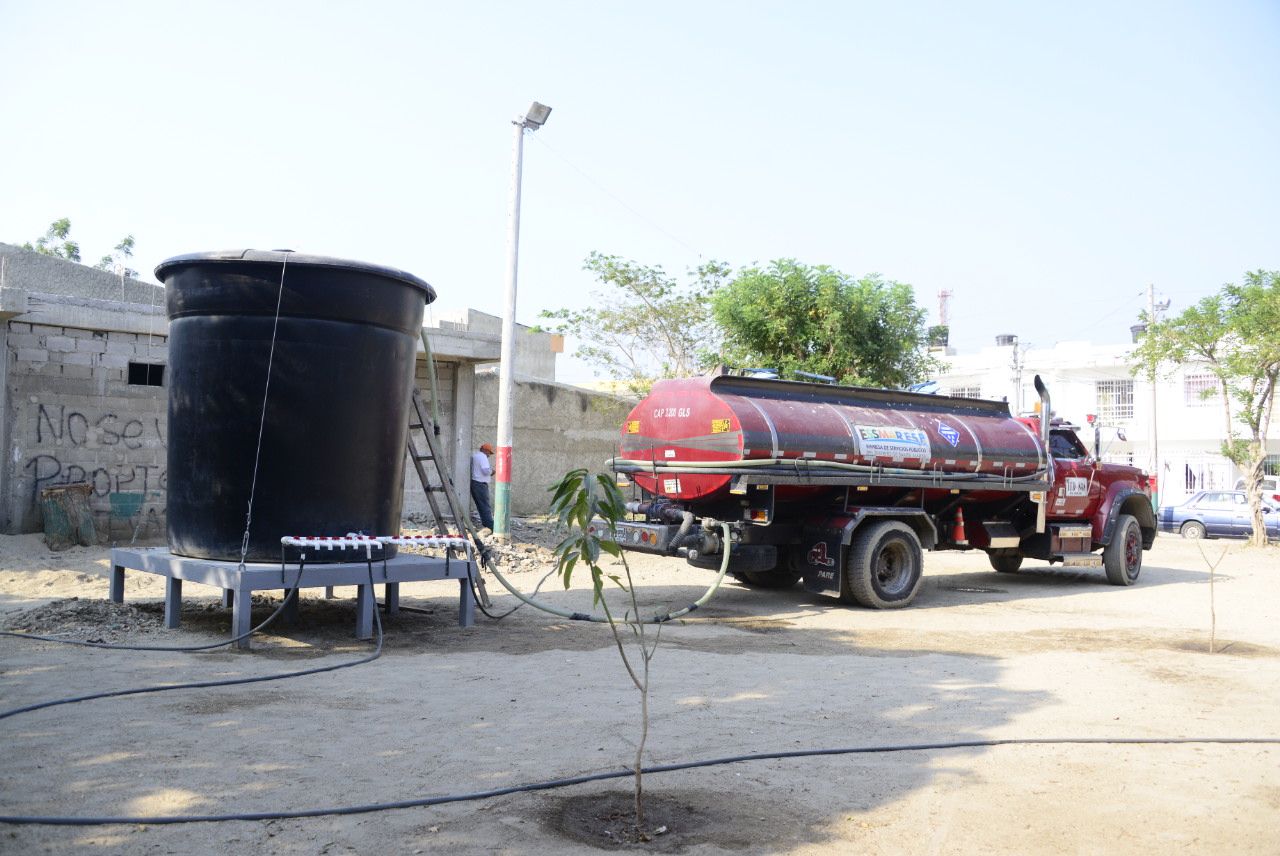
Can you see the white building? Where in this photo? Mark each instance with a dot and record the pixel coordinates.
(1086, 380)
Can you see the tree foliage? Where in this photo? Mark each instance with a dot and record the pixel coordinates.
(643, 324)
(1234, 334)
(56, 241)
(793, 317)
(115, 261)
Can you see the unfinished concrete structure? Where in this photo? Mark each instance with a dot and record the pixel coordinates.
(83, 392)
(83, 399)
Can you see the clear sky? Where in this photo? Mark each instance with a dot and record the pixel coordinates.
(1042, 161)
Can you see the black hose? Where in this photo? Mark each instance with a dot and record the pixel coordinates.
(292, 595)
(52, 820)
(5, 714)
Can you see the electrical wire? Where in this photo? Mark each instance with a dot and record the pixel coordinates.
(54, 820)
(279, 676)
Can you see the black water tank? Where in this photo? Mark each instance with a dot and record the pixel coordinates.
(337, 401)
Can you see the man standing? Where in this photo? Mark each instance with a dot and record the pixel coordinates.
(481, 474)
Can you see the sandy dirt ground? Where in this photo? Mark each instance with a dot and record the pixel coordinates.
(1044, 653)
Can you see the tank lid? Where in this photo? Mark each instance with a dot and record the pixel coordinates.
(168, 266)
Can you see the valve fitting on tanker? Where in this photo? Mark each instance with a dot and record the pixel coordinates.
(705, 542)
(658, 510)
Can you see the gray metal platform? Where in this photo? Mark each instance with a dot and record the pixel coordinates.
(239, 585)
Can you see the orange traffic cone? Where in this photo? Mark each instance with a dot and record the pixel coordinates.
(957, 531)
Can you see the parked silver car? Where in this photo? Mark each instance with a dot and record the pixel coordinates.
(1217, 514)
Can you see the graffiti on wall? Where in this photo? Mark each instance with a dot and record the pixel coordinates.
(76, 445)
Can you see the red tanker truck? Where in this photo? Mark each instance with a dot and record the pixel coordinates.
(844, 487)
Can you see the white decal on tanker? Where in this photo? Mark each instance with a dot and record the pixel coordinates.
(887, 441)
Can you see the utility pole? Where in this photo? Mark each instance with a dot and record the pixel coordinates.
(530, 121)
(1153, 310)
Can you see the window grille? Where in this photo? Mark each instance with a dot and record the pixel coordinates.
(1195, 387)
(1115, 401)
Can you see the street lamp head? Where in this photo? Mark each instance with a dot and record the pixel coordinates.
(536, 116)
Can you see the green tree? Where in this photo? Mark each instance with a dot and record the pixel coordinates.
(57, 242)
(580, 500)
(793, 317)
(115, 262)
(1234, 334)
(644, 324)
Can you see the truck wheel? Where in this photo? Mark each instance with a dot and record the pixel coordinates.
(1005, 561)
(884, 567)
(1123, 556)
(1192, 529)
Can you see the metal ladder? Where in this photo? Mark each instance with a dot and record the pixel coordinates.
(419, 423)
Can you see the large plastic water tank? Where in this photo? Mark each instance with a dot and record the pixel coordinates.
(340, 351)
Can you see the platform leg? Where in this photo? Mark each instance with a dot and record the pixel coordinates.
(328, 592)
(172, 602)
(392, 598)
(228, 598)
(364, 611)
(242, 616)
(290, 613)
(116, 588)
(466, 605)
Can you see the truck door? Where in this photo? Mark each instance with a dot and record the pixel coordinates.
(1075, 491)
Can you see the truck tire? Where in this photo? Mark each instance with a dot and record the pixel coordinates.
(884, 567)
(1192, 529)
(1123, 556)
(1005, 561)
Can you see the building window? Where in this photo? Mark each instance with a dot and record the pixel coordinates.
(1115, 401)
(146, 374)
(1200, 389)
(966, 392)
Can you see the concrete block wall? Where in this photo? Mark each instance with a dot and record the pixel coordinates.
(557, 428)
(73, 416)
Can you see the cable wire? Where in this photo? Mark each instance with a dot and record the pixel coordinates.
(292, 595)
(279, 676)
(53, 820)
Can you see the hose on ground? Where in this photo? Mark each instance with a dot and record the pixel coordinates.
(601, 619)
(291, 596)
(54, 820)
(227, 682)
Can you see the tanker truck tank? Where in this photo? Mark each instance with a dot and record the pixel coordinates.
(694, 440)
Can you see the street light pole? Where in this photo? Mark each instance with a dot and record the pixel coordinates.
(532, 120)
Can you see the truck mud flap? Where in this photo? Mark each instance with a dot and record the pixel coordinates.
(821, 559)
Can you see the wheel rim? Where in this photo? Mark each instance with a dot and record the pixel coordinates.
(1193, 530)
(1132, 551)
(894, 569)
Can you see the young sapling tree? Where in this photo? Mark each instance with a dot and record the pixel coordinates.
(584, 503)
